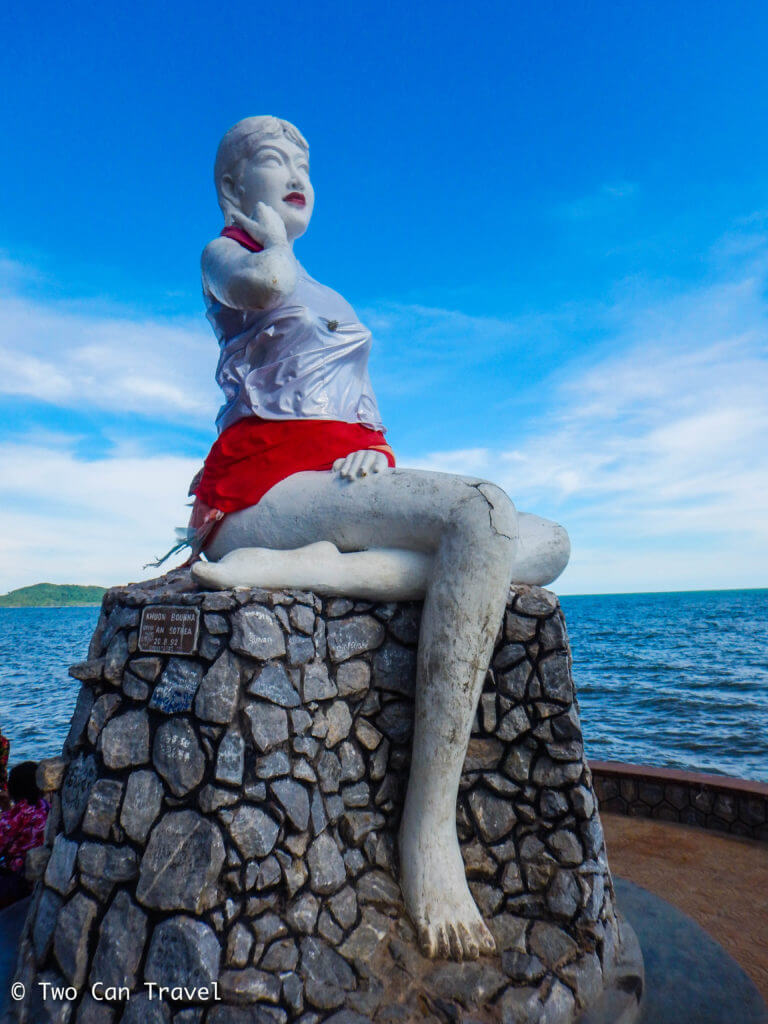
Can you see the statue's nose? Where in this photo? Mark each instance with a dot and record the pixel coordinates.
(298, 178)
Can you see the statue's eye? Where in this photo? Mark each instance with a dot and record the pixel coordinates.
(270, 160)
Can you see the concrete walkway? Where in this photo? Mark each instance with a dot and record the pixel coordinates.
(721, 881)
(11, 923)
(689, 978)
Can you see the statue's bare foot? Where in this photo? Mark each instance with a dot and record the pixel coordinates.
(436, 894)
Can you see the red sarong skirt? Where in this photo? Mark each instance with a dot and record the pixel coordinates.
(254, 454)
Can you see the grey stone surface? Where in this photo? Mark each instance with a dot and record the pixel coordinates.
(302, 913)
(282, 955)
(54, 1009)
(230, 758)
(177, 756)
(547, 772)
(295, 800)
(494, 815)
(274, 684)
(239, 945)
(80, 716)
(339, 721)
(135, 687)
(182, 863)
(217, 696)
(94, 1011)
(146, 667)
(396, 721)
(256, 632)
(566, 847)
(59, 874)
(271, 765)
(45, 922)
(301, 649)
(90, 671)
(183, 951)
(269, 725)
(327, 976)
(76, 789)
(253, 830)
(352, 678)
(120, 947)
(475, 983)
(72, 935)
(177, 686)
(326, 867)
(124, 740)
(563, 895)
(302, 618)
(143, 1010)
(102, 711)
(141, 804)
(318, 684)
(116, 657)
(249, 986)
(108, 862)
(551, 944)
(103, 804)
(349, 638)
(364, 942)
(394, 668)
(513, 683)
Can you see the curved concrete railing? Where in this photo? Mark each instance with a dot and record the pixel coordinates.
(737, 806)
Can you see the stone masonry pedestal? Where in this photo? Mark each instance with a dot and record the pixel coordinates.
(225, 823)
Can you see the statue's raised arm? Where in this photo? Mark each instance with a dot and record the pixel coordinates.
(301, 490)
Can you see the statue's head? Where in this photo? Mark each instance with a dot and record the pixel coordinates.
(265, 159)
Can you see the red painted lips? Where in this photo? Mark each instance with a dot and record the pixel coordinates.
(296, 198)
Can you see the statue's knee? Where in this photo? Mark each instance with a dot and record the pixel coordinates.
(560, 539)
(502, 510)
(487, 513)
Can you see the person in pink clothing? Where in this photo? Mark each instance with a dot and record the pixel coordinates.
(5, 748)
(22, 828)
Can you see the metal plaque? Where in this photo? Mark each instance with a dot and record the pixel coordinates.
(169, 629)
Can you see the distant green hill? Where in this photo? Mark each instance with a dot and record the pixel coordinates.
(52, 595)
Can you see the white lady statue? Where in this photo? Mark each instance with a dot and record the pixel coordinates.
(301, 490)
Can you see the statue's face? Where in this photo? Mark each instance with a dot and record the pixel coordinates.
(278, 174)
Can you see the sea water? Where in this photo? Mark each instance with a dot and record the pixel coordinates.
(676, 680)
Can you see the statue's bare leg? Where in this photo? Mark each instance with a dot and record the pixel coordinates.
(469, 526)
(376, 574)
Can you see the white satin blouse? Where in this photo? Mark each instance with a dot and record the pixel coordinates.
(306, 359)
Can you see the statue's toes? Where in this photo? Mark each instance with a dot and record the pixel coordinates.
(454, 941)
(427, 941)
(470, 949)
(443, 941)
(484, 939)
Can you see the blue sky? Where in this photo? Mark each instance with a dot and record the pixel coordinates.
(554, 217)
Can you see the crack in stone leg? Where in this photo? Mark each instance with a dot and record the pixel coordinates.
(491, 509)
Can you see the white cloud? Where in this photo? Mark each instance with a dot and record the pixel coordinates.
(71, 357)
(655, 456)
(70, 520)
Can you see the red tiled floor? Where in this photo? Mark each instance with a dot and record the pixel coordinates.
(720, 881)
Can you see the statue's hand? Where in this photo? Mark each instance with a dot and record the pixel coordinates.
(268, 228)
(360, 464)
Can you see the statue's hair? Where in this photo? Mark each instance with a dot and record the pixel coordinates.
(241, 140)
